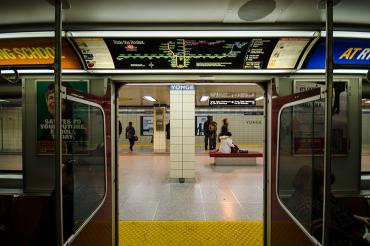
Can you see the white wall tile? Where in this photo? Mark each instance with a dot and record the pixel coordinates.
(188, 157)
(175, 157)
(189, 174)
(189, 149)
(176, 165)
(175, 173)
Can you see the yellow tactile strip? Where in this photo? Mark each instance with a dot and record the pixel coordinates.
(190, 233)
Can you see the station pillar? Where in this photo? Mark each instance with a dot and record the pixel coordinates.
(182, 128)
(159, 131)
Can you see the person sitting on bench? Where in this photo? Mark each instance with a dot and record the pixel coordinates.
(227, 145)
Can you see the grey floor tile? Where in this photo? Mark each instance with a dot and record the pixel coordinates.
(180, 210)
(249, 194)
(224, 211)
(138, 210)
(254, 211)
(212, 194)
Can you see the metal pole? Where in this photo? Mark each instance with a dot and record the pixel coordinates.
(58, 118)
(328, 122)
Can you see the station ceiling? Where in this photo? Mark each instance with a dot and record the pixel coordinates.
(22, 12)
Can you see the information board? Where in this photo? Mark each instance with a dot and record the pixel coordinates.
(197, 53)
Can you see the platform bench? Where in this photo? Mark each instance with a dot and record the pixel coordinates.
(236, 159)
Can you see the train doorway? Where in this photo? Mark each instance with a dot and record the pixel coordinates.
(174, 174)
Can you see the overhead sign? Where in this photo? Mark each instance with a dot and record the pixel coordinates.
(232, 102)
(197, 53)
(346, 51)
(182, 87)
(95, 53)
(35, 51)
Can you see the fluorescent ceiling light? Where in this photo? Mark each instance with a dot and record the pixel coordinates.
(149, 98)
(367, 102)
(3, 100)
(204, 98)
(185, 34)
(28, 35)
(346, 34)
(259, 98)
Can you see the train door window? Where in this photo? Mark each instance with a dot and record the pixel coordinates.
(300, 162)
(10, 127)
(84, 163)
(365, 110)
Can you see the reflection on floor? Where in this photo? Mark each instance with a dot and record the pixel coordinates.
(219, 193)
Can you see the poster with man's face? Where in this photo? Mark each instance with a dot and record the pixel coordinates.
(72, 124)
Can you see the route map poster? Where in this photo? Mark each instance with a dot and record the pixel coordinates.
(73, 126)
(181, 53)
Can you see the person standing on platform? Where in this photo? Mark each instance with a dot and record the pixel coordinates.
(130, 135)
(212, 127)
(206, 132)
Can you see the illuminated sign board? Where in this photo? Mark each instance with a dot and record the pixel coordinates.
(34, 51)
(191, 53)
(232, 102)
(182, 87)
(346, 51)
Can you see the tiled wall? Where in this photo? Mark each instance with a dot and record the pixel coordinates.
(246, 129)
(11, 129)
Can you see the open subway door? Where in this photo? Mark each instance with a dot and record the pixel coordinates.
(296, 157)
(88, 217)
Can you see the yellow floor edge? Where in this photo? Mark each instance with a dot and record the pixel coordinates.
(184, 233)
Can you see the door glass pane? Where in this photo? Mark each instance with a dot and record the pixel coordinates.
(300, 162)
(84, 167)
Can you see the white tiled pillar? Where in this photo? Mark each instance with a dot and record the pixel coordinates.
(159, 135)
(182, 143)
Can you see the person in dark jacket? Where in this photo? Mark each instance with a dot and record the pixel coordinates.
(207, 133)
(224, 128)
(130, 135)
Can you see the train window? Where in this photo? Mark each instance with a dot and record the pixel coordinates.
(300, 163)
(84, 163)
(365, 108)
(10, 127)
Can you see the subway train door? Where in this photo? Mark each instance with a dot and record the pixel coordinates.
(87, 196)
(294, 155)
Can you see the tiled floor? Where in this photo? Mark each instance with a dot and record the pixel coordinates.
(219, 193)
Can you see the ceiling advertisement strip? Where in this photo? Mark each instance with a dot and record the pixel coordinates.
(35, 51)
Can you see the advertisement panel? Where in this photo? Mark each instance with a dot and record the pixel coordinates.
(346, 51)
(73, 119)
(35, 51)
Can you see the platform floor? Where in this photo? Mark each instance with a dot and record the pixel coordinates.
(227, 193)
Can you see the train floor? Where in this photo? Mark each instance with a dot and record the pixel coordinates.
(218, 193)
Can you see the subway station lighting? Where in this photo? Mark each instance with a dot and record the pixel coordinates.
(259, 98)
(149, 98)
(204, 98)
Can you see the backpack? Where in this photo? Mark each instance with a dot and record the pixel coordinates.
(212, 127)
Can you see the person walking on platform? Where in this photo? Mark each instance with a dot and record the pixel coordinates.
(130, 135)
